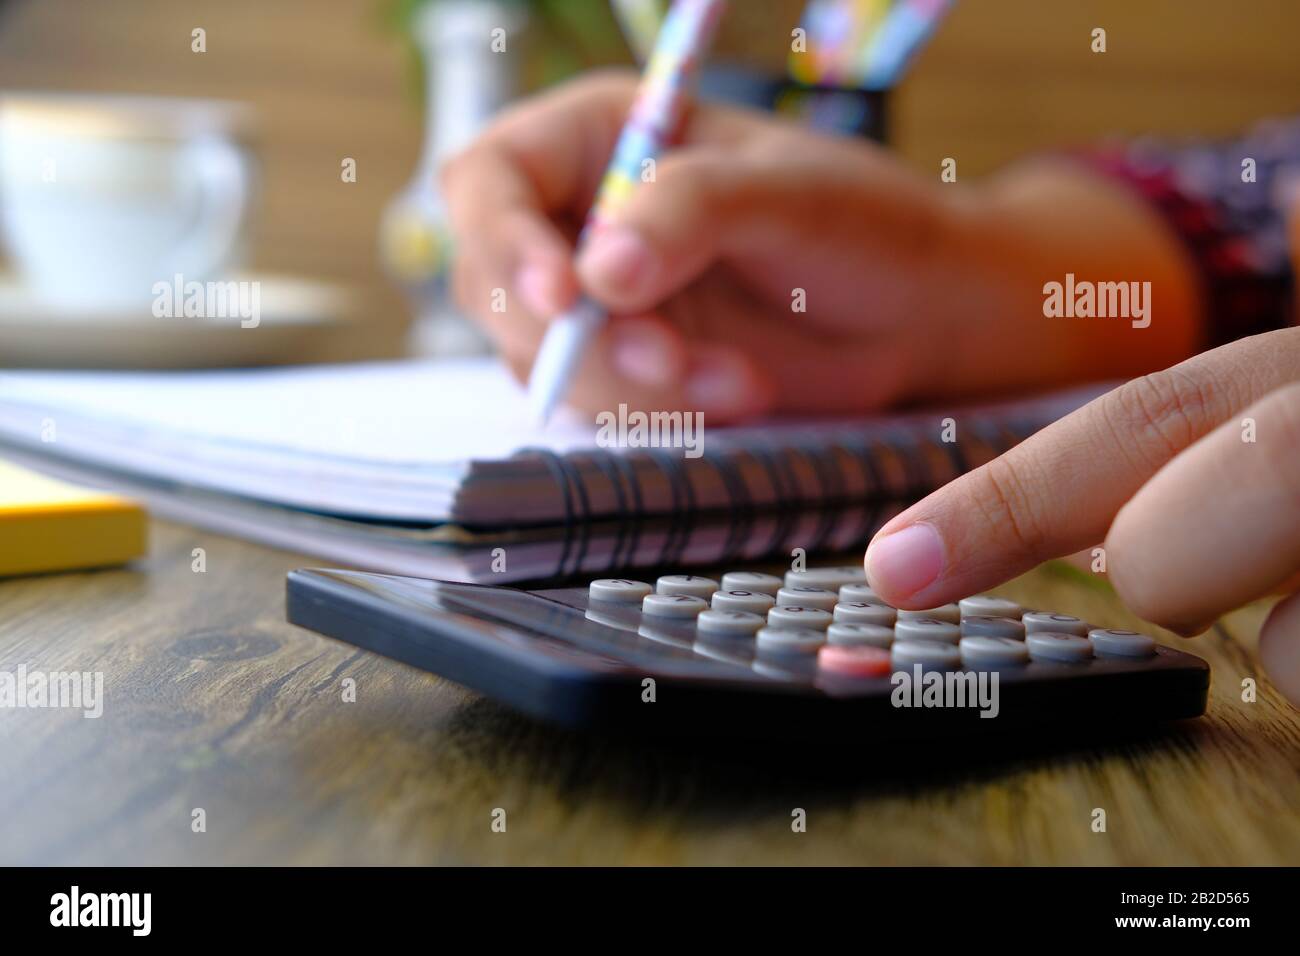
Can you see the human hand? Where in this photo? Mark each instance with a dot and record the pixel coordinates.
(1191, 476)
(911, 287)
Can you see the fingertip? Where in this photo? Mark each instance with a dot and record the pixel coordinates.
(647, 352)
(565, 289)
(1279, 647)
(903, 563)
(546, 285)
(535, 288)
(725, 384)
(618, 265)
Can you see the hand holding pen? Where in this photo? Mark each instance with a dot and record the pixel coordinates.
(654, 120)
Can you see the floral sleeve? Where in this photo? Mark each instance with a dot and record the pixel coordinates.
(1228, 202)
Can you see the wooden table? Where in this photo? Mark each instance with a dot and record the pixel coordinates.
(214, 702)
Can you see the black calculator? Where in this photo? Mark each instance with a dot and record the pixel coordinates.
(748, 654)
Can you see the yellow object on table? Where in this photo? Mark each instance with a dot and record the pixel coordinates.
(52, 525)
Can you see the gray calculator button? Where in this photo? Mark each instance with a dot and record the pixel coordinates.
(925, 653)
(986, 605)
(797, 615)
(618, 589)
(926, 629)
(755, 602)
(1035, 621)
(729, 622)
(807, 596)
(992, 627)
(992, 651)
(673, 605)
(790, 640)
(1058, 646)
(831, 578)
(1117, 643)
(860, 635)
(948, 612)
(751, 581)
(689, 584)
(851, 593)
(860, 612)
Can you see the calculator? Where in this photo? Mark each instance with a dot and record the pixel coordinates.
(799, 655)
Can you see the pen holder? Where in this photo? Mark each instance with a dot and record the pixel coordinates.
(838, 110)
(829, 109)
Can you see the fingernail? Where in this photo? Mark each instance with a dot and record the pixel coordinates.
(905, 562)
(722, 384)
(619, 256)
(640, 353)
(536, 287)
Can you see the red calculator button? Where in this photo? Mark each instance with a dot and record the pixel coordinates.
(854, 661)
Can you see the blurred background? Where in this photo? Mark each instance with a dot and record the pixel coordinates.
(307, 85)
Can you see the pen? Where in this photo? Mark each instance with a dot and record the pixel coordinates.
(651, 124)
(892, 47)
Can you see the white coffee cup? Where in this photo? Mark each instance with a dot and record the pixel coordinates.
(102, 197)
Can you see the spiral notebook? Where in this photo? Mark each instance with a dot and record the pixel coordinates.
(433, 467)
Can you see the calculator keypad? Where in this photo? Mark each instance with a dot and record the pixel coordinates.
(860, 635)
(830, 619)
(619, 590)
(729, 622)
(996, 651)
(927, 629)
(854, 661)
(804, 595)
(829, 578)
(932, 654)
(583, 655)
(797, 615)
(980, 626)
(861, 612)
(1050, 621)
(790, 640)
(673, 605)
(755, 602)
(1116, 643)
(985, 605)
(691, 585)
(752, 581)
(858, 593)
(1057, 646)
(948, 612)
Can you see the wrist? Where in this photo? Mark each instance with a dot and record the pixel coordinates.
(1069, 272)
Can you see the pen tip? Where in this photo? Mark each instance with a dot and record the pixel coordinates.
(543, 402)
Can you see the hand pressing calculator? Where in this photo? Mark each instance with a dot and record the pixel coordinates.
(808, 655)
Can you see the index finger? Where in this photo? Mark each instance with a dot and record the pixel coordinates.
(535, 165)
(1058, 491)
(549, 153)
(517, 196)
(545, 152)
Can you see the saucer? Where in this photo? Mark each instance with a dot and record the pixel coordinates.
(296, 316)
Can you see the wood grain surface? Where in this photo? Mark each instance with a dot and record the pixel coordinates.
(214, 702)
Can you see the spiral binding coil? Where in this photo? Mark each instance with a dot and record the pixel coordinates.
(833, 494)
